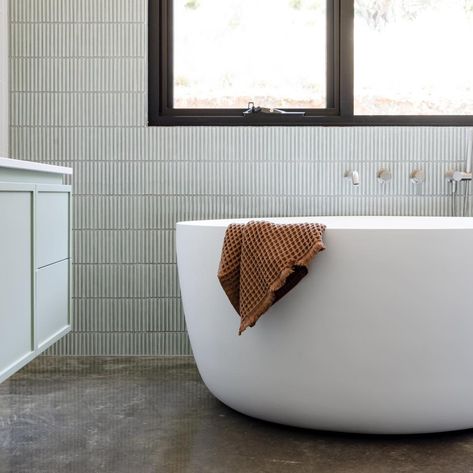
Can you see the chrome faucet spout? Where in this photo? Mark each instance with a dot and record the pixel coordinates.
(354, 176)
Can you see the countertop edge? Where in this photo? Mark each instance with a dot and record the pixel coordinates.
(33, 166)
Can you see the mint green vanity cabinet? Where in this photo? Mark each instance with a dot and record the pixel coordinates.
(16, 282)
(52, 225)
(35, 261)
(52, 303)
(52, 267)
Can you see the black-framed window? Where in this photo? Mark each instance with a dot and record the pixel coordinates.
(310, 62)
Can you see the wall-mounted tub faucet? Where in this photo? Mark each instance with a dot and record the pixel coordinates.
(354, 176)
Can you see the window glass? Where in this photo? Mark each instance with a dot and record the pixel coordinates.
(230, 52)
(413, 57)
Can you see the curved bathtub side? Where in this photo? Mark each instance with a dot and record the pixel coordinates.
(376, 339)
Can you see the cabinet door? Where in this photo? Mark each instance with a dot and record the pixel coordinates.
(52, 302)
(15, 279)
(52, 226)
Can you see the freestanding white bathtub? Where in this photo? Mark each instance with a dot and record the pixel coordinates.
(378, 338)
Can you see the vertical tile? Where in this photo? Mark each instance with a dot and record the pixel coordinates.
(78, 98)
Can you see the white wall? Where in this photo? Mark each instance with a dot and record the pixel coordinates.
(3, 77)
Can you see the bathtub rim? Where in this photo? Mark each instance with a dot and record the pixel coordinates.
(350, 222)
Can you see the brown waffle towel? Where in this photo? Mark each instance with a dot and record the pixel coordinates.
(262, 261)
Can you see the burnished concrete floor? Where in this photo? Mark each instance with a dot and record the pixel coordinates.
(140, 415)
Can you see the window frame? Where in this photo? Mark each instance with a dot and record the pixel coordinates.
(340, 82)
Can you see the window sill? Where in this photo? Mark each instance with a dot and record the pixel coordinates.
(268, 120)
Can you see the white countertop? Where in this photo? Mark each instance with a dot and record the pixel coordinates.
(32, 166)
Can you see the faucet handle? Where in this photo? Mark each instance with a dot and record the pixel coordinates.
(417, 176)
(458, 176)
(384, 175)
